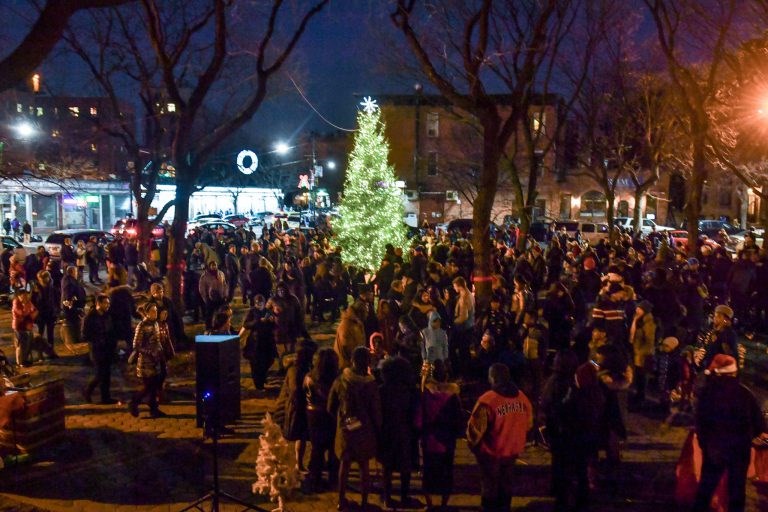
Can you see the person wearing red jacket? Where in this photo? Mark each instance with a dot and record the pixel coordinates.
(496, 434)
(24, 314)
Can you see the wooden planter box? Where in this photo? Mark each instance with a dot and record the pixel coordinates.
(39, 421)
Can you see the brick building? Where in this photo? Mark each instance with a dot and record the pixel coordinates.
(436, 150)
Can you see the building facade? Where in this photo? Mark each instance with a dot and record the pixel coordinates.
(59, 168)
(436, 150)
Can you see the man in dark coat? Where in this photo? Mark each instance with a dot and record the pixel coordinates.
(231, 270)
(72, 303)
(121, 310)
(728, 417)
(45, 300)
(68, 256)
(98, 331)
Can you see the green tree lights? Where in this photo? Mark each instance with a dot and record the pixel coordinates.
(371, 209)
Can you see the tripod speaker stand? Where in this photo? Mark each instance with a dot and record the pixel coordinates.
(216, 495)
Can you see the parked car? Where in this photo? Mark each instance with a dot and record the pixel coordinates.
(10, 243)
(538, 231)
(217, 225)
(237, 219)
(711, 227)
(56, 239)
(464, 226)
(680, 236)
(628, 224)
(127, 228)
(591, 232)
(201, 218)
(262, 218)
(293, 220)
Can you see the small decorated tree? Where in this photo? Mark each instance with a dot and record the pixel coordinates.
(371, 211)
(276, 469)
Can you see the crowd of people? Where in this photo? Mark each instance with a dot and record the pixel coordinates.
(570, 339)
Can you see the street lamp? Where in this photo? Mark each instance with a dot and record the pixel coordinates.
(315, 169)
(281, 148)
(25, 130)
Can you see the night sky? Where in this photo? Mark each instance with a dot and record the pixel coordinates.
(338, 58)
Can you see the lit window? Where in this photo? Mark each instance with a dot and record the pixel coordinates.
(75, 111)
(39, 111)
(432, 163)
(94, 112)
(171, 107)
(93, 148)
(539, 122)
(433, 124)
(19, 108)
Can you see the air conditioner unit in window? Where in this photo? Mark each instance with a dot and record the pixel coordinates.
(412, 195)
(451, 195)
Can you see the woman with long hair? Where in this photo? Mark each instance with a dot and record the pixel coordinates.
(440, 423)
(320, 423)
(295, 402)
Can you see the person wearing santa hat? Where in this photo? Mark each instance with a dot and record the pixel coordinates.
(728, 417)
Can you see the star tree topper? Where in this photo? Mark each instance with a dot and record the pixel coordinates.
(369, 105)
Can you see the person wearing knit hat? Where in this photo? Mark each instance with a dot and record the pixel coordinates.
(642, 336)
(725, 336)
(669, 344)
(728, 417)
(724, 310)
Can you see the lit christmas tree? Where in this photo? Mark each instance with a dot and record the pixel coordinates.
(371, 209)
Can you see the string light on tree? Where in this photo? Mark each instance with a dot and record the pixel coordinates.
(371, 210)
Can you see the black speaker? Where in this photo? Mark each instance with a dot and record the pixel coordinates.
(217, 389)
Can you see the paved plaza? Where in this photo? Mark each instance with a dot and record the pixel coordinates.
(110, 461)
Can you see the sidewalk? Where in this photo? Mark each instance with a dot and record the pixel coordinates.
(110, 461)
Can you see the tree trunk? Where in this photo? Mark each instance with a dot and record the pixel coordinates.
(610, 198)
(695, 187)
(525, 214)
(143, 230)
(637, 211)
(177, 243)
(481, 210)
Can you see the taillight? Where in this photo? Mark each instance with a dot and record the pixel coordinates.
(130, 231)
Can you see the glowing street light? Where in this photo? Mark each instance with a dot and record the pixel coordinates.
(25, 130)
(282, 148)
(330, 164)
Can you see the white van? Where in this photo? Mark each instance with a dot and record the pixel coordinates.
(591, 232)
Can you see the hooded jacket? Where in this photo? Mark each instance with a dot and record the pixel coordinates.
(355, 398)
(434, 342)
